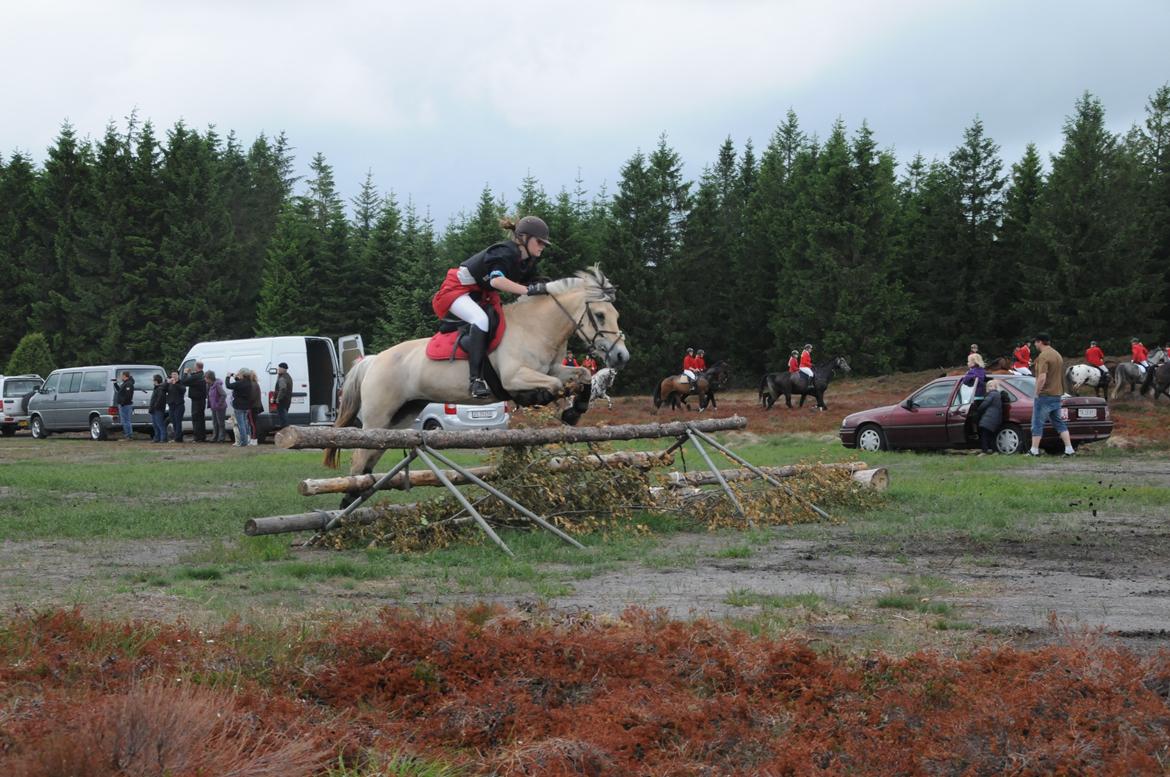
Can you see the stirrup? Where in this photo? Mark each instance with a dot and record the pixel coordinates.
(479, 388)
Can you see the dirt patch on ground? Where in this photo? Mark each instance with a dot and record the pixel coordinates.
(1108, 572)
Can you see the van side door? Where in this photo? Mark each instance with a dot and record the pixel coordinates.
(350, 351)
(69, 403)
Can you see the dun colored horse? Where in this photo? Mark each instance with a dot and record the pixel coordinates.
(388, 390)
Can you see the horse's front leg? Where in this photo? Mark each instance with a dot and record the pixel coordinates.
(532, 387)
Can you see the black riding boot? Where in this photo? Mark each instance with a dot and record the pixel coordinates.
(475, 343)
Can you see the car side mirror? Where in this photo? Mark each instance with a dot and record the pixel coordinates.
(908, 404)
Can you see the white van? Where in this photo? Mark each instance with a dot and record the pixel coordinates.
(314, 364)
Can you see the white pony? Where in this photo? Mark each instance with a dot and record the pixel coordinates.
(1080, 375)
(602, 381)
(387, 390)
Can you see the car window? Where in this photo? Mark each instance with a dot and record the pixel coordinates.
(1022, 384)
(70, 383)
(18, 388)
(51, 383)
(143, 377)
(94, 381)
(934, 396)
(187, 365)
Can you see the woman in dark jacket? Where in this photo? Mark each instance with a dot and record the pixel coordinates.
(158, 410)
(991, 417)
(176, 399)
(241, 389)
(256, 409)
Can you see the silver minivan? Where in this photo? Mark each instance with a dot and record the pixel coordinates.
(15, 393)
(78, 399)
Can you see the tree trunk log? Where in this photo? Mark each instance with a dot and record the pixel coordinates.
(877, 479)
(299, 437)
(706, 478)
(422, 477)
(316, 521)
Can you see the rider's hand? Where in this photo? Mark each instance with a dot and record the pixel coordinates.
(539, 287)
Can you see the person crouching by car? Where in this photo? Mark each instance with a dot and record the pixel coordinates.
(217, 402)
(158, 410)
(990, 417)
(241, 389)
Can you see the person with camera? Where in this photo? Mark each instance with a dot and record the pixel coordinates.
(241, 389)
(197, 391)
(217, 402)
(124, 395)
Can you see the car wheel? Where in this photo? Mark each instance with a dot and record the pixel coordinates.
(1010, 439)
(870, 438)
(96, 430)
(37, 427)
(431, 425)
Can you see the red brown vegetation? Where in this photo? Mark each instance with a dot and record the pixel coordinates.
(643, 695)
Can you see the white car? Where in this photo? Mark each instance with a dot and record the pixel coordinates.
(451, 416)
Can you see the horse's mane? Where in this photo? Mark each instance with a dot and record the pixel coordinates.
(597, 287)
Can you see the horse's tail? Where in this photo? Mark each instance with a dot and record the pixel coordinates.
(657, 395)
(351, 404)
(1118, 378)
(763, 386)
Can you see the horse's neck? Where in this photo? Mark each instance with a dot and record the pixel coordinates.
(543, 322)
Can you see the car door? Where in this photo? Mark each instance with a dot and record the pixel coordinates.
(69, 401)
(96, 394)
(45, 403)
(920, 421)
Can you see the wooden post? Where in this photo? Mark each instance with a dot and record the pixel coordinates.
(479, 519)
(299, 437)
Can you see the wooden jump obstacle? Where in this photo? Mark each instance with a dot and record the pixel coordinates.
(424, 447)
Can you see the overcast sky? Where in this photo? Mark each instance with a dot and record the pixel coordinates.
(438, 99)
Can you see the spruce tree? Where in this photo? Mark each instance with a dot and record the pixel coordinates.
(19, 248)
(32, 357)
(406, 302)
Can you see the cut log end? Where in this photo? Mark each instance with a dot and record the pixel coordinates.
(878, 479)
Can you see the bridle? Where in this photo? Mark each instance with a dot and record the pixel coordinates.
(605, 348)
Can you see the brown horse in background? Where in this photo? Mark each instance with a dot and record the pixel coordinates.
(675, 388)
(1001, 365)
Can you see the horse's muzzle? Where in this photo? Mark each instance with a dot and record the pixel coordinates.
(617, 357)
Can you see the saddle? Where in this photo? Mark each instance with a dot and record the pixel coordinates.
(445, 344)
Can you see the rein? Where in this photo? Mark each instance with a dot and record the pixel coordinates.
(604, 350)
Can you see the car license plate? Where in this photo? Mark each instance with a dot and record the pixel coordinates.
(1087, 412)
(483, 413)
(22, 424)
(141, 411)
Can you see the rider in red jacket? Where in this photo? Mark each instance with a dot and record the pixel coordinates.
(1095, 357)
(1141, 355)
(700, 363)
(806, 365)
(1022, 364)
(794, 361)
(689, 364)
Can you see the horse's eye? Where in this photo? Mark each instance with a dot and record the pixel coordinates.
(601, 317)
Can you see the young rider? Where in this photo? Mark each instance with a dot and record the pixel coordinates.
(689, 364)
(1022, 359)
(1141, 355)
(700, 362)
(506, 266)
(793, 361)
(806, 365)
(1095, 357)
(590, 364)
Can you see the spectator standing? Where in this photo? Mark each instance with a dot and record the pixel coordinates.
(217, 403)
(241, 389)
(158, 410)
(176, 393)
(1049, 366)
(197, 392)
(124, 393)
(284, 391)
(570, 360)
(257, 409)
(590, 364)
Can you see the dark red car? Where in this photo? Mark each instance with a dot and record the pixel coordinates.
(935, 416)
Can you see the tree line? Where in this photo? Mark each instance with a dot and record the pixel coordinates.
(133, 247)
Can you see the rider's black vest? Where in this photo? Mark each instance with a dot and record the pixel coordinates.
(504, 257)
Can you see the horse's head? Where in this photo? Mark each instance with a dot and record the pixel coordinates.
(588, 297)
(841, 364)
(1157, 356)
